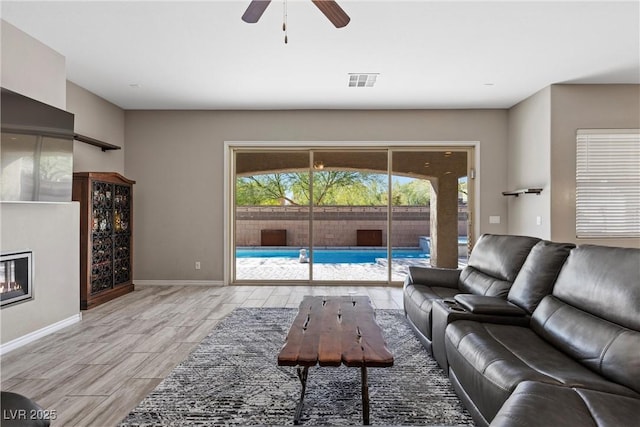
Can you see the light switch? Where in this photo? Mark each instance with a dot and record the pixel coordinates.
(494, 219)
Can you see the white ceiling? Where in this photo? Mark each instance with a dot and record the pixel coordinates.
(430, 54)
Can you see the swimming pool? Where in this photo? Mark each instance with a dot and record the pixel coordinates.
(332, 256)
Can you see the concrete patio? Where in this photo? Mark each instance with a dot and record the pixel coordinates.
(277, 269)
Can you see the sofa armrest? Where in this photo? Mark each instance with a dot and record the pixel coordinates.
(480, 304)
(443, 277)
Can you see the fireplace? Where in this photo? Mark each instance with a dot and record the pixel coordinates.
(16, 277)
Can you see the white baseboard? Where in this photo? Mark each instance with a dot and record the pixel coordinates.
(179, 282)
(40, 333)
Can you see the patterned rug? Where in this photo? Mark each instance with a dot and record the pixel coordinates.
(232, 378)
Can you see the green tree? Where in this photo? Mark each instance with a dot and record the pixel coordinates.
(416, 192)
(346, 188)
(330, 188)
(257, 190)
(339, 188)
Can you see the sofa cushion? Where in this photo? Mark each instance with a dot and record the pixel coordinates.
(603, 281)
(418, 301)
(476, 282)
(535, 404)
(538, 273)
(490, 360)
(494, 264)
(604, 347)
(593, 314)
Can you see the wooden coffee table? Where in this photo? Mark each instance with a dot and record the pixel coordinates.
(330, 331)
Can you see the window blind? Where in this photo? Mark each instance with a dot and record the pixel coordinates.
(608, 183)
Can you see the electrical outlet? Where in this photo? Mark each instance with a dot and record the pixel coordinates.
(494, 219)
(538, 220)
(197, 265)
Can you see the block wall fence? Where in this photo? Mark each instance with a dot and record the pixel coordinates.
(337, 225)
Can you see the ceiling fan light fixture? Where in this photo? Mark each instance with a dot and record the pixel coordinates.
(329, 8)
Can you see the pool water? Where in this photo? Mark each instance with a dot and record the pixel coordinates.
(333, 256)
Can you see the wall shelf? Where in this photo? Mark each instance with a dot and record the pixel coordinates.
(104, 146)
(522, 191)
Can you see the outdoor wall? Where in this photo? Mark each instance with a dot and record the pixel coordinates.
(101, 120)
(50, 230)
(576, 107)
(336, 225)
(529, 165)
(177, 159)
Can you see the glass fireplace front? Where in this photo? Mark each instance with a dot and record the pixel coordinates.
(16, 281)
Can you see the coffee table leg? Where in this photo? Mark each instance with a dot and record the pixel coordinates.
(302, 374)
(365, 396)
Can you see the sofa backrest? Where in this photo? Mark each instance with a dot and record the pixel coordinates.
(494, 264)
(538, 274)
(593, 314)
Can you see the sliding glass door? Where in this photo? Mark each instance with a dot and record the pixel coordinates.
(350, 209)
(272, 215)
(347, 214)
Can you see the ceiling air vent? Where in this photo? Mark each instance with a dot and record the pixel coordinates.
(362, 80)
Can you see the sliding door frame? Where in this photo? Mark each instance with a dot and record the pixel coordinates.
(230, 147)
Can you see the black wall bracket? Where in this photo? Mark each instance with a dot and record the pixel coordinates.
(522, 191)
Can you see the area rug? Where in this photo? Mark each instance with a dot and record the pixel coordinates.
(232, 378)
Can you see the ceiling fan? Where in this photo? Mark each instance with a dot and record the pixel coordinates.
(329, 8)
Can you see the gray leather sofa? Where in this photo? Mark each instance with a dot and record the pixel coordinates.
(533, 282)
(576, 362)
(491, 270)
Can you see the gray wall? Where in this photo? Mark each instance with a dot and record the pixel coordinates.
(32, 68)
(529, 165)
(177, 159)
(542, 151)
(50, 230)
(576, 107)
(98, 119)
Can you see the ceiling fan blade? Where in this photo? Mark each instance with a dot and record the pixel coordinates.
(333, 12)
(255, 10)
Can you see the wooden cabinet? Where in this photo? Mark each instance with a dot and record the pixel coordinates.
(106, 243)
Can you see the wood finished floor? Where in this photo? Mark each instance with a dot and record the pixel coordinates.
(94, 372)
